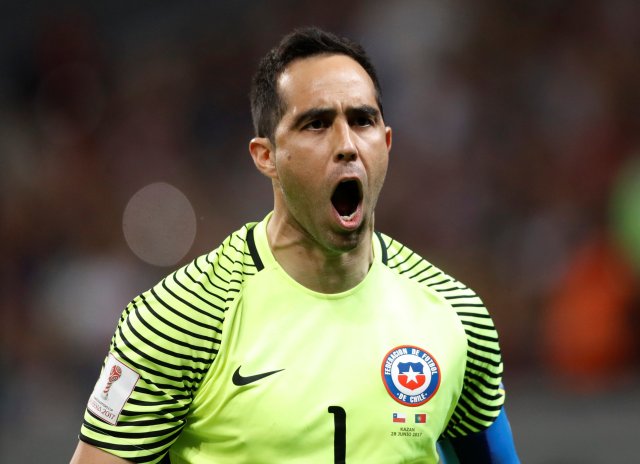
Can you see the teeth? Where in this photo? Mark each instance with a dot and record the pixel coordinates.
(348, 218)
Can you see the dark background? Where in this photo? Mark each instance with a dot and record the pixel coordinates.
(124, 129)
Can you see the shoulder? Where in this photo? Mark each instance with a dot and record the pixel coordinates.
(235, 255)
(219, 274)
(404, 261)
(463, 300)
(185, 311)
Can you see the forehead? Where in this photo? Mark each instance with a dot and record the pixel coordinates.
(325, 81)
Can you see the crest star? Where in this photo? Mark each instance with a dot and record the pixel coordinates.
(411, 375)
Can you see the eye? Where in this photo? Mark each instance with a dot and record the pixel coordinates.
(316, 124)
(364, 121)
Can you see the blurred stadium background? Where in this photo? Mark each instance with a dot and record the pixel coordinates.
(516, 167)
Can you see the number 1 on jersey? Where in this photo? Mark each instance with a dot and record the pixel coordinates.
(339, 434)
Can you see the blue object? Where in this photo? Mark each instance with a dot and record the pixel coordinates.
(491, 446)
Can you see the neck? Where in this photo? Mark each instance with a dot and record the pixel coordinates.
(314, 266)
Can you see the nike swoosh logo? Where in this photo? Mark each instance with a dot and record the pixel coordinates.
(241, 380)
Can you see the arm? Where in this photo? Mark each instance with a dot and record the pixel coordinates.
(479, 431)
(87, 454)
(162, 348)
(493, 445)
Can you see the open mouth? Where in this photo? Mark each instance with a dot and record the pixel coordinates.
(346, 198)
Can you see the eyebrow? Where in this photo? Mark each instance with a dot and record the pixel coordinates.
(330, 113)
(363, 110)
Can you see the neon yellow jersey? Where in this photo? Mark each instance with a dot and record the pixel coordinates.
(229, 360)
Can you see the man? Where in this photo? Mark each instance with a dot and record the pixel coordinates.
(307, 337)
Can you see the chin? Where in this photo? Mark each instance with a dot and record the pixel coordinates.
(345, 241)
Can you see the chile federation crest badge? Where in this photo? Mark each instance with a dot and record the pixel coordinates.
(410, 375)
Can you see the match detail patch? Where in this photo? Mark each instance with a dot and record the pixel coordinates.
(113, 389)
(410, 375)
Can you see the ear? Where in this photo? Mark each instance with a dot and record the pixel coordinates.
(263, 154)
(388, 137)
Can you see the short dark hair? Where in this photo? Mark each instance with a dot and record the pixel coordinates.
(267, 106)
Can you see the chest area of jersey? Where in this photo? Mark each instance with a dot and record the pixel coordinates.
(377, 372)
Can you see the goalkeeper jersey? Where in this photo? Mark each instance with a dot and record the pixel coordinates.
(230, 360)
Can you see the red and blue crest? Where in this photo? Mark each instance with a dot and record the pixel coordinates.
(410, 374)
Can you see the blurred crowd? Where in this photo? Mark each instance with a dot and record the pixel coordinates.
(514, 123)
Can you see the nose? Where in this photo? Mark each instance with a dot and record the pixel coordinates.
(345, 146)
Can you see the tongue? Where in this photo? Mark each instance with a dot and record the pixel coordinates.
(343, 206)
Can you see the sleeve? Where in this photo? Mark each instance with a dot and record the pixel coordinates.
(163, 346)
(482, 396)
